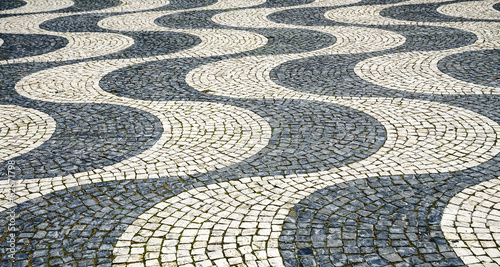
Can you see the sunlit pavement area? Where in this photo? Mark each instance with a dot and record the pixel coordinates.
(250, 133)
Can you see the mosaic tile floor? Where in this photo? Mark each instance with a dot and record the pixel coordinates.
(250, 133)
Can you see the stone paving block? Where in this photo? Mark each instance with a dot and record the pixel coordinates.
(249, 133)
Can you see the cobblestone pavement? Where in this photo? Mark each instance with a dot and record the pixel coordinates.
(250, 133)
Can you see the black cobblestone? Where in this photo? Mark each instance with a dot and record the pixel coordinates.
(377, 221)
(479, 67)
(398, 217)
(88, 136)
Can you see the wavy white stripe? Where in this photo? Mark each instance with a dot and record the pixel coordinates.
(248, 77)
(23, 129)
(472, 10)
(428, 137)
(80, 45)
(227, 4)
(143, 21)
(214, 41)
(370, 14)
(33, 6)
(134, 5)
(240, 221)
(27, 24)
(349, 39)
(250, 18)
(257, 18)
(422, 137)
(417, 72)
(197, 137)
(488, 36)
(211, 135)
(230, 223)
(146, 19)
(471, 224)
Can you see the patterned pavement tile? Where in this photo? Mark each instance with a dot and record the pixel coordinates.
(86, 5)
(470, 221)
(249, 133)
(449, 11)
(145, 44)
(387, 220)
(25, 45)
(475, 67)
(33, 6)
(485, 10)
(23, 129)
(87, 137)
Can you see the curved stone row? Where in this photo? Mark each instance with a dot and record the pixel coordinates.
(133, 6)
(32, 6)
(145, 44)
(197, 137)
(400, 65)
(25, 45)
(23, 129)
(407, 12)
(252, 78)
(438, 12)
(259, 68)
(80, 45)
(258, 17)
(106, 6)
(280, 40)
(482, 10)
(471, 222)
(223, 218)
(478, 67)
(213, 41)
(85, 243)
(380, 221)
(417, 72)
(86, 6)
(87, 137)
(216, 135)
